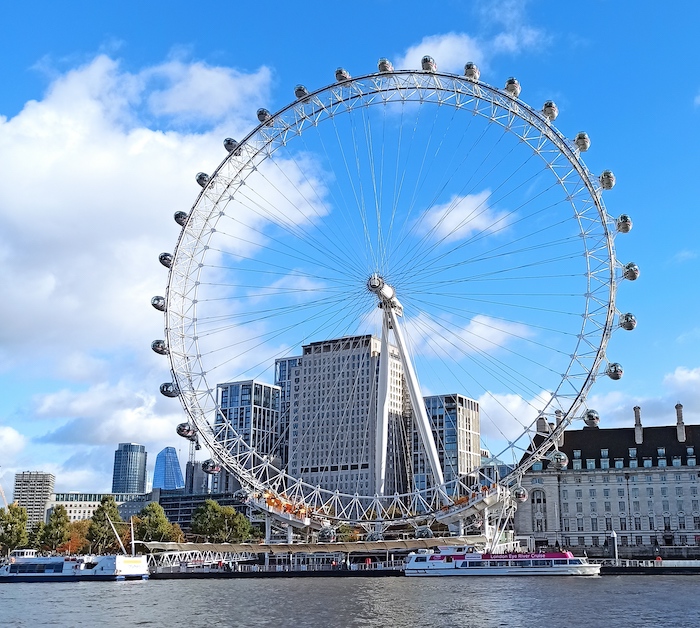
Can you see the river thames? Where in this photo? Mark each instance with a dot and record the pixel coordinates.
(617, 601)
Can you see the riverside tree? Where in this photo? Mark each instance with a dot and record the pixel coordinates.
(152, 524)
(220, 524)
(57, 530)
(13, 528)
(100, 533)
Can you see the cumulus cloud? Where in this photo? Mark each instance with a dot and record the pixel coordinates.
(11, 443)
(90, 175)
(461, 217)
(451, 51)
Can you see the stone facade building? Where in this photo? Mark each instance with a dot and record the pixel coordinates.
(640, 482)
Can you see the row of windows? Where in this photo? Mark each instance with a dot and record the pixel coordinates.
(632, 452)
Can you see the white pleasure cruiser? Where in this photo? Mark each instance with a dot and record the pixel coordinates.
(468, 561)
(26, 566)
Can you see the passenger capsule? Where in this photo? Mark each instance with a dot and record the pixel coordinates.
(614, 371)
(159, 347)
(607, 180)
(202, 178)
(186, 430)
(210, 466)
(628, 321)
(264, 116)
(374, 536)
(513, 87)
(550, 110)
(591, 418)
(630, 271)
(520, 494)
(169, 389)
(424, 532)
(242, 495)
(428, 64)
(624, 223)
(181, 218)
(558, 459)
(384, 65)
(158, 303)
(471, 71)
(231, 146)
(300, 91)
(326, 534)
(166, 259)
(341, 74)
(582, 141)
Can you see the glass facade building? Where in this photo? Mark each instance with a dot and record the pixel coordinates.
(167, 473)
(129, 469)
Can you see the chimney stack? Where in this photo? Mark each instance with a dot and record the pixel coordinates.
(542, 425)
(638, 435)
(560, 417)
(680, 426)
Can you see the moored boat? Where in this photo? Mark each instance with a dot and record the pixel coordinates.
(468, 561)
(26, 566)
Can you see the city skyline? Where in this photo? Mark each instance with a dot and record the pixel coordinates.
(107, 124)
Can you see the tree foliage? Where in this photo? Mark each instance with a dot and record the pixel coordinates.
(152, 524)
(220, 524)
(56, 532)
(13, 527)
(100, 533)
(77, 542)
(36, 536)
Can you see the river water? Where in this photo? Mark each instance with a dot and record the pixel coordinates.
(610, 601)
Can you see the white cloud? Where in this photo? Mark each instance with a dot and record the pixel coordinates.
(463, 216)
(11, 443)
(450, 51)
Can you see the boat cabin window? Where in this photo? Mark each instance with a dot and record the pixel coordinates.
(560, 562)
(476, 563)
(575, 561)
(420, 559)
(541, 563)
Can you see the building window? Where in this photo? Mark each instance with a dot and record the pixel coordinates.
(566, 525)
(679, 491)
(691, 461)
(607, 507)
(647, 463)
(567, 541)
(594, 507)
(637, 523)
(565, 494)
(596, 541)
(633, 452)
(604, 463)
(579, 507)
(577, 454)
(621, 506)
(633, 463)
(579, 493)
(591, 492)
(662, 462)
(667, 524)
(623, 541)
(690, 451)
(619, 463)
(579, 525)
(664, 491)
(604, 453)
(650, 491)
(608, 524)
(565, 509)
(594, 524)
(652, 523)
(577, 465)
(590, 463)
(581, 540)
(623, 523)
(681, 523)
(620, 492)
(606, 492)
(661, 451)
(635, 506)
(637, 540)
(676, 461)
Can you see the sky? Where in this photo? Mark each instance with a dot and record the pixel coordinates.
(108, 110)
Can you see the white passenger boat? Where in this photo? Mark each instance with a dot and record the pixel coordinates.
(26, 566)
(468, 561)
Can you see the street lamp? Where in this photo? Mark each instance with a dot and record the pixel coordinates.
(613, 536)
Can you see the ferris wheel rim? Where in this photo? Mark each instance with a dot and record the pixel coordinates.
(185, 255)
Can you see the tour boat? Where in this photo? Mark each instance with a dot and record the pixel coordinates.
(26, 566)
(468, 561)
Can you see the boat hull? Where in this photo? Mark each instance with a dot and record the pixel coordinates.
(69, 578)
(569, 570)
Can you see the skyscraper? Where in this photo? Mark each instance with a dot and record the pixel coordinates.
(129, 469)
(32, 491)
(332, 395)
(167, 473)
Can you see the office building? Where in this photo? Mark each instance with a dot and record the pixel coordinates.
(253, 410)
(167, 473)
(640, 482)
(32, 491)
(81, 506)
(129, 469)
(454, 420)
(331, 392)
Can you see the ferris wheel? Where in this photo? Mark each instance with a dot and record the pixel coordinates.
(391, 298)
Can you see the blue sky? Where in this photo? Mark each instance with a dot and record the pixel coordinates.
(107, 110)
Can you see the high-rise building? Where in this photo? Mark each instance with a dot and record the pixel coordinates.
(197, 482)
(32, 490)
(454, 420)
(332, 397)
(129, 469)
(253, 410)
(167, 473)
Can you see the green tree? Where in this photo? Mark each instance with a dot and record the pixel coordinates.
(152, 524)
(220, 524)
(57, 530)
(100, 533)
(176, 534)
(36, 535)
(13, 527)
